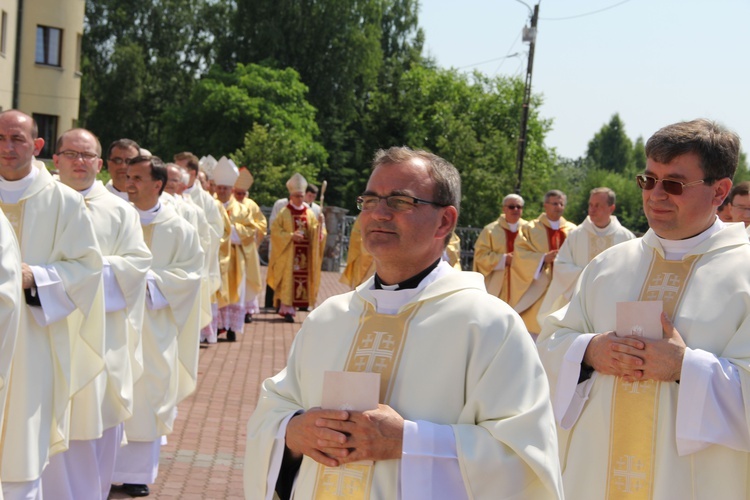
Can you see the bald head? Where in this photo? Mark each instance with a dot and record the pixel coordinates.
(19, 143)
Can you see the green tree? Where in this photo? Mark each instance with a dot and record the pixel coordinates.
(139, 57)
(611, 149)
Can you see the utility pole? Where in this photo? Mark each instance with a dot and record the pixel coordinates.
(529, 35)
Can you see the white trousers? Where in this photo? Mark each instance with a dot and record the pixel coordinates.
(137, 462)
(23, 490)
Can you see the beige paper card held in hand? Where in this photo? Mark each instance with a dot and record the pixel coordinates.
(358, 391)
(642, 318)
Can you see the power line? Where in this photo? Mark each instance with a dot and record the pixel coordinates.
(491, 60)
(584, 15)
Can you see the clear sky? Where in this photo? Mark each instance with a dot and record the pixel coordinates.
(654, 62)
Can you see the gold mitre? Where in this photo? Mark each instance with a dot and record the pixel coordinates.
(296, 183)
(245, 180)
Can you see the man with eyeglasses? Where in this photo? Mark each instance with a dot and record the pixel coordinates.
(61, 272)
(118, 154)
(442, 346)
(99, 409)
(535, 252)
(493, 250)
(739, 203)
(662, 417)
(599, 231)
(296, 253)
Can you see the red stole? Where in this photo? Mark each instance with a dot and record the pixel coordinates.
(301, 263)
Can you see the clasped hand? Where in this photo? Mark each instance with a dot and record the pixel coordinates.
(336, 437)
(637, 358)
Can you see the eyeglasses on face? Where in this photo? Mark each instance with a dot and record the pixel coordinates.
(74, 155)
(119, 161)
(396, 202)
(514, 207)
(648, 182)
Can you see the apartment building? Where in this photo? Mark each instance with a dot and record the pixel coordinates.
(40, 58)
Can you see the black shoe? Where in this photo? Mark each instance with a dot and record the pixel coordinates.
(231, 336)
(135, 490)
(289, 318)
(248, 318)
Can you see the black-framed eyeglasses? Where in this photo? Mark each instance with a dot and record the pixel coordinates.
(671, 186)
(74, 155)
(514, 207)
(396, 202)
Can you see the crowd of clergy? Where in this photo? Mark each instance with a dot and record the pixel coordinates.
(108, 290)
(121, 283)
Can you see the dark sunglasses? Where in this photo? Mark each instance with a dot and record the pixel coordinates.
(514, 207)
(647, 183)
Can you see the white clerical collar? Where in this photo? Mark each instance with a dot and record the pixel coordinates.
(11, 191)
(554, 224)
(301, 207)
(676, 249)
(190, 189)
(601, 230)
(389, 300)
(86, 191)
(147, 216)
(513, 227)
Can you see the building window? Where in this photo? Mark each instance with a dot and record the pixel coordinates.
(3, 32)
(79, 49)
(48, 45)
(48, 131)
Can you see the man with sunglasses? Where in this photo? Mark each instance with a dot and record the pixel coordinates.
(599, 231)
(535, 252)
(464, 410)
(493, 250)
(663, 417)
(119, 153)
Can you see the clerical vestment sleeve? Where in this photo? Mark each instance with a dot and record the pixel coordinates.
(55, 303)
(429, 462)
(710, 408)
(114, 300)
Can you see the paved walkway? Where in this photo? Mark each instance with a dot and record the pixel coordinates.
(204, 455)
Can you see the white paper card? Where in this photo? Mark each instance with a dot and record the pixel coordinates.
(357, 391)
(642, 318)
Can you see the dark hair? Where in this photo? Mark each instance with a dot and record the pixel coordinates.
(311, 188)
(741, 189)
(158, 169)
(123, 144)
(555, 193)
(717, 147)
(192, 160)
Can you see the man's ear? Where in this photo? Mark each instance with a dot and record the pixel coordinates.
(722, 187)
(38, 145)
(447, 222)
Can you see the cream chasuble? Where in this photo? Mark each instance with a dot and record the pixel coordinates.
(211, 210)
(120, 238)
(11, 296)
(582, 244)
(294, 269)
(442, 355)
(253, 279)
(710, 312)
(53, 362)
(527, 290)
(170, 335)
(359, 263)
(495, 240)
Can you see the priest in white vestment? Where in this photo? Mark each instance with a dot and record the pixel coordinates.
(599, 231)
(11, 295)
(665, 417)
(63, 307)
(170, 327)
(99, 410)
(118, 154)
(464, 405)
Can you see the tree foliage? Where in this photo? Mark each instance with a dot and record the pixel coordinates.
(611, 149)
